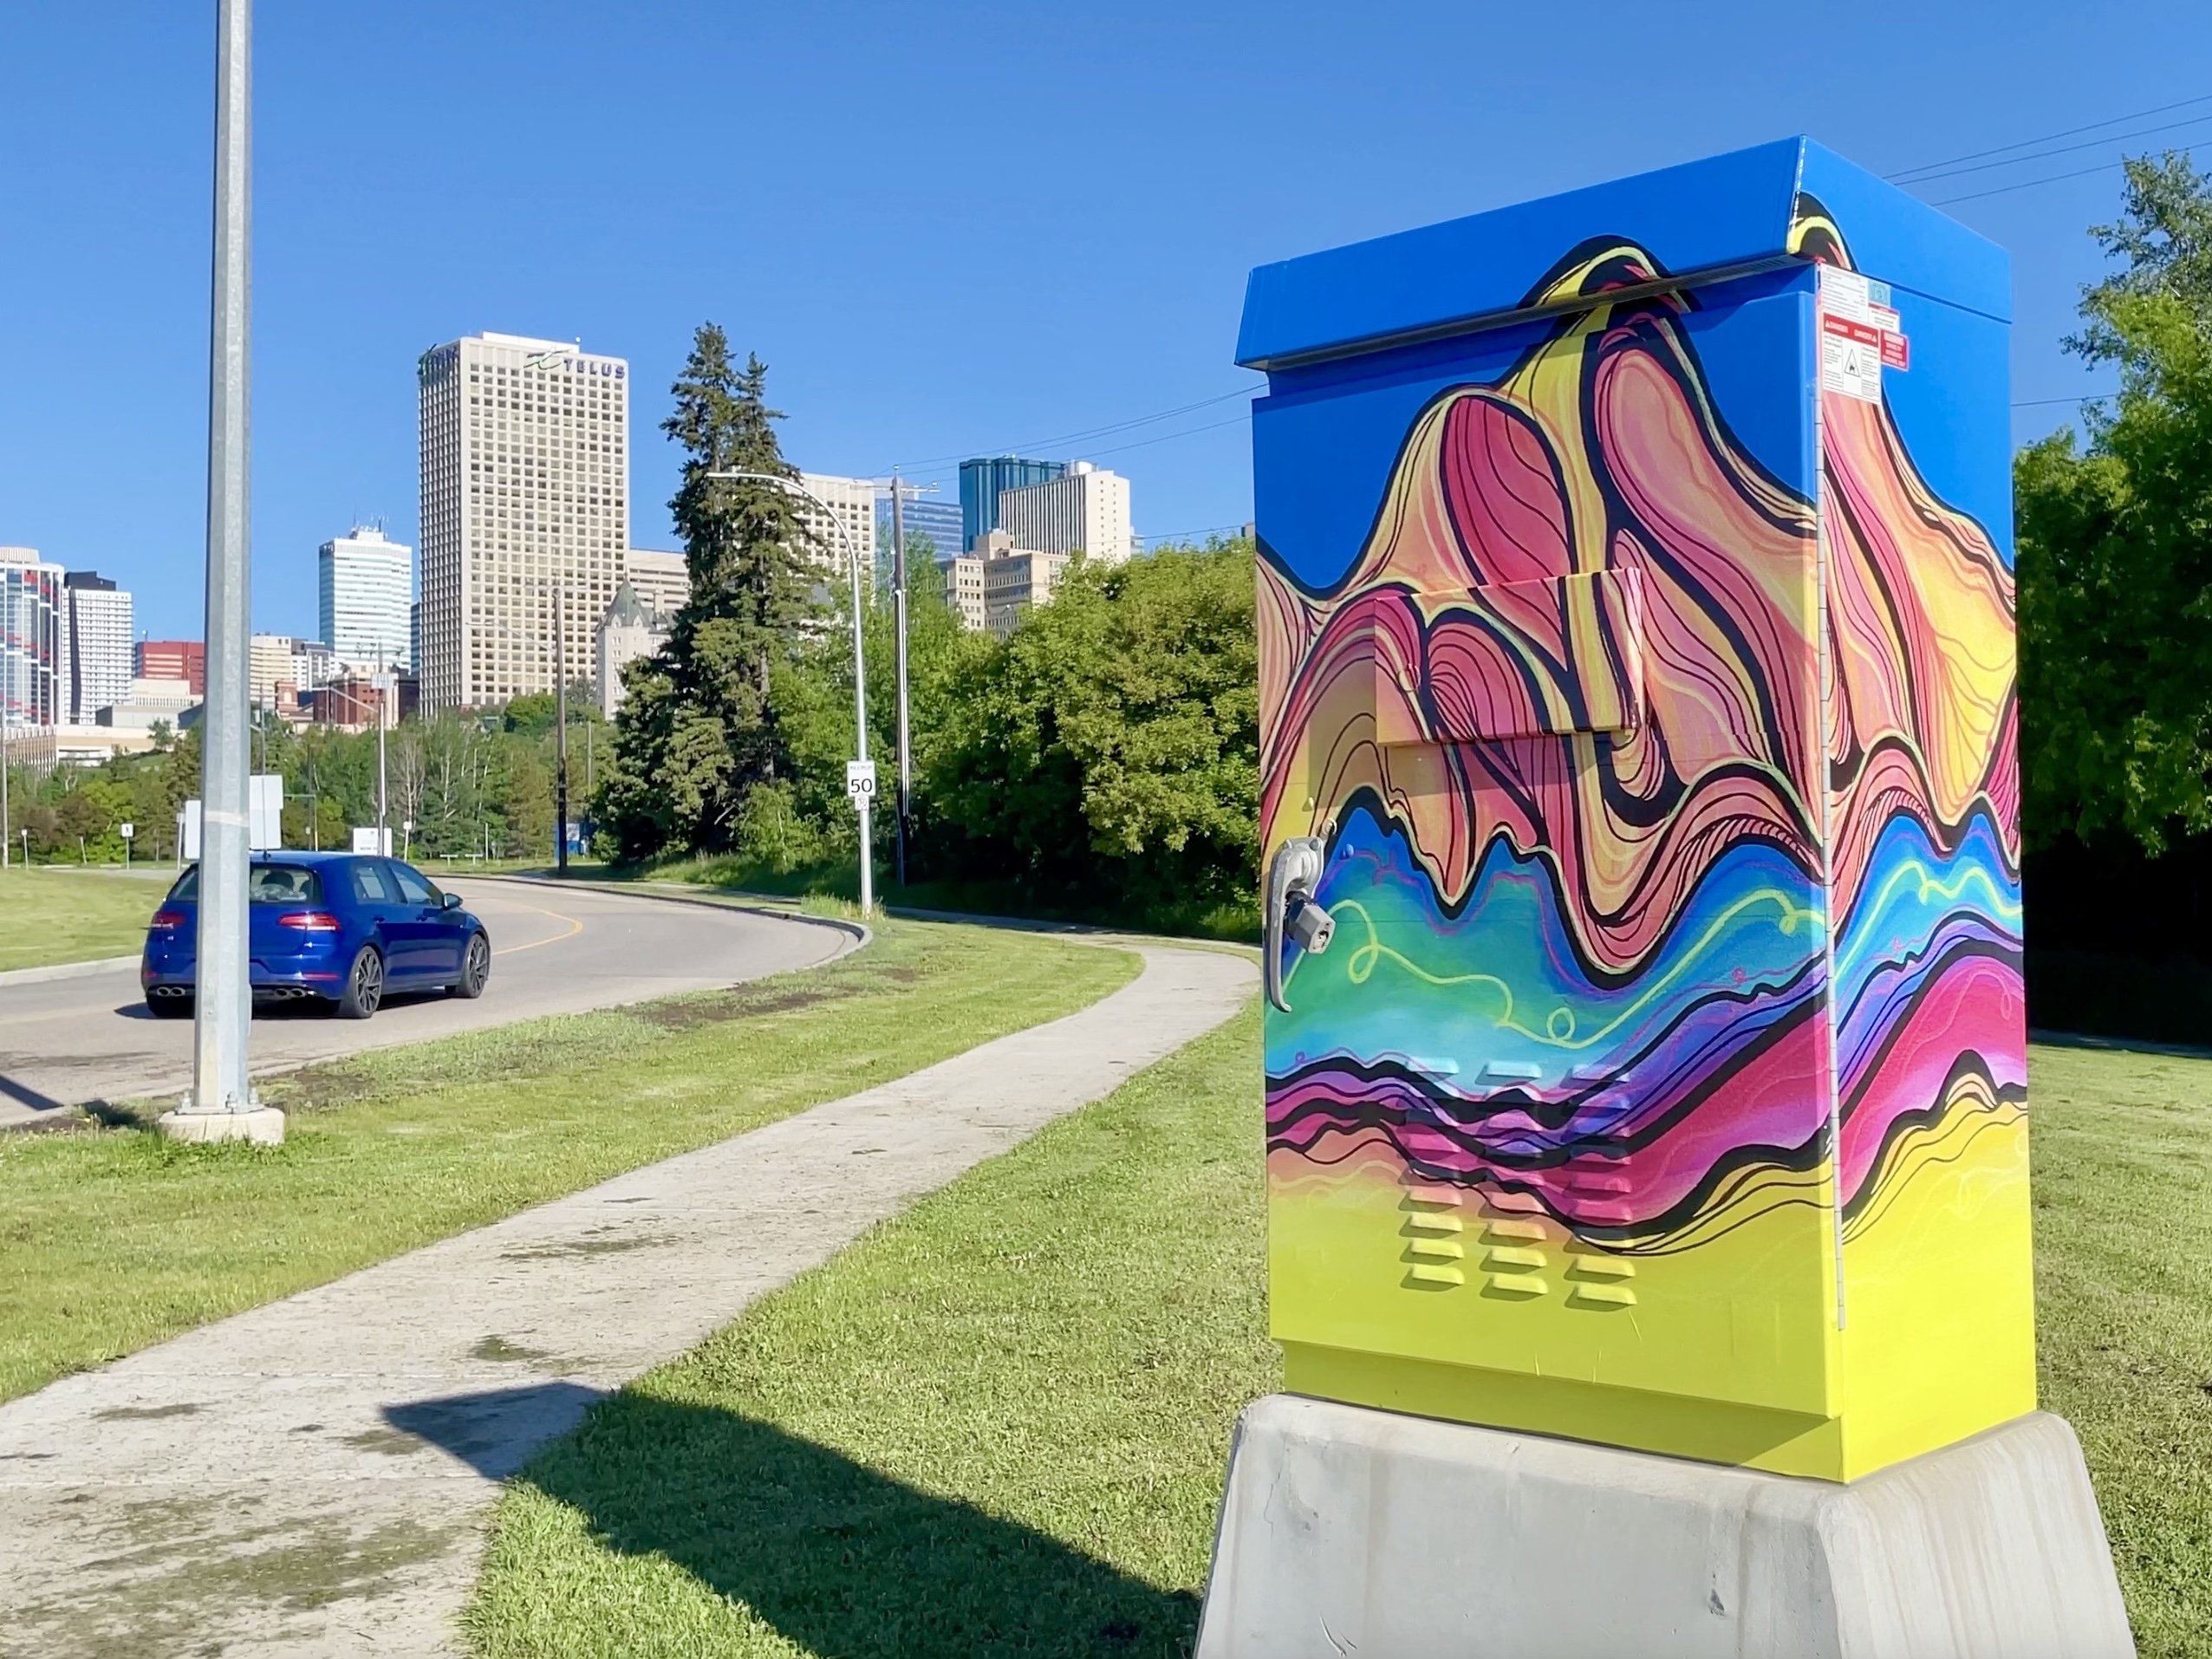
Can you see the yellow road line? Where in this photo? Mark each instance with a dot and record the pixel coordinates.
(575, 927)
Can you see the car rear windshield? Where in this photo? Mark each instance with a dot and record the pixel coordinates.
(268, 884)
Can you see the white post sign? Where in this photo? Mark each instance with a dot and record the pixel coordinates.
(265, 812)
(127, 830)
(859, 783)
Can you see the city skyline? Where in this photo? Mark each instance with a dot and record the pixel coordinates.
(368, 607)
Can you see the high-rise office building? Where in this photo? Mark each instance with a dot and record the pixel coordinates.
(941, 522)
(34, 669)
(526, 490)
(314, 663)
(852, 505)
(1016, 580)
(964, 590)
(96, 630)
(185, 659)
(268, 664)
(1086, 510)
(986, 478)
(662, 581)
(367, 586)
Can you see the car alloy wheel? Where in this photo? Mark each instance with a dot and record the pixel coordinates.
(364, 986)
(476, 967)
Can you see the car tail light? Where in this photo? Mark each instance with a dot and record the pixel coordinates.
(168, 921)
(309, 922)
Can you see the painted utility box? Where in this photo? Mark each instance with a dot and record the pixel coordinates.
(1635, 612)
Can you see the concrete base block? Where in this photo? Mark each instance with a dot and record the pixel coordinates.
(264, 1126)
(1349, 1530)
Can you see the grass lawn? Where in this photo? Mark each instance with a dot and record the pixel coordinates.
(112, 1239)
(994, 1426)
(998, 1424)
(50, 915)
(2123, 1150)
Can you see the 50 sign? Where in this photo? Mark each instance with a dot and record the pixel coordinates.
(860, 784)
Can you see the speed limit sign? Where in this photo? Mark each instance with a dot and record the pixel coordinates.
(860, 782)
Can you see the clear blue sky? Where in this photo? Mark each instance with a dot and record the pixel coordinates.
(947, 229)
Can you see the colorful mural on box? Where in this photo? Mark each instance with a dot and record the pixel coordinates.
(1668, 901)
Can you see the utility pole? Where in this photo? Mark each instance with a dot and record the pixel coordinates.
(899, 612)
(221, 1105)
(383, 833)
(6, 846)
(560, 743)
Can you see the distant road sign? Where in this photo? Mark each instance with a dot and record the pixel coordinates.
(265, 812)
(127, 830)
(860, 781)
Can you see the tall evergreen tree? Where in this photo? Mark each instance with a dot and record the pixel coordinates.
(698, 728)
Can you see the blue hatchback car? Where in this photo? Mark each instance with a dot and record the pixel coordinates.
(341, 928)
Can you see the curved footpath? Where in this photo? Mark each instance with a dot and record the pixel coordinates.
(312, 1477)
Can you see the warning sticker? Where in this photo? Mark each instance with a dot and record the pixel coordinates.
(1846, 294)
(1850, 359)
(1860, 335)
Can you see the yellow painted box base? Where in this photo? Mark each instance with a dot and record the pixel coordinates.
(1936, 1343)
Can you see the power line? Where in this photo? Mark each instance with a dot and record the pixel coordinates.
(1153, 543)
(2085, 397)
(2064, 149)
(2028, 183)
(1095, 431)
(1169, 437)
(1909, 173)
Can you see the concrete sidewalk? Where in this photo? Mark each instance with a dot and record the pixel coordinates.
(311, 1478)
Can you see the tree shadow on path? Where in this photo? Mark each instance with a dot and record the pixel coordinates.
(845, 1561)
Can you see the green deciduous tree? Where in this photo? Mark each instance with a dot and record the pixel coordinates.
(1111, 747)
(2115, 540)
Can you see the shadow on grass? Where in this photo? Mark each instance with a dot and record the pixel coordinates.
(845, 1562)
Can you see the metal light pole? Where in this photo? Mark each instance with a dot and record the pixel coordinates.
(561, 742)
(222, 1017)
(899, 608)
(859, 665)
(383, 833)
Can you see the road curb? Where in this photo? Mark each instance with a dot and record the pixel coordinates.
(858, 932)
(66, 971)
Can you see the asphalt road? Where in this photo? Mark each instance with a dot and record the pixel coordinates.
(554, 950)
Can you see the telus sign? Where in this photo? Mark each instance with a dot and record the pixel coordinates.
(441, 359)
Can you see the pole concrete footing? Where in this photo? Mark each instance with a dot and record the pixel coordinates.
(264, 1126)
(1351, 1530)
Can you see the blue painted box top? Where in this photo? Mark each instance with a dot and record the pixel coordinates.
(1724, 213)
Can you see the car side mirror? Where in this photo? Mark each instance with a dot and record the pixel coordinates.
(451, 901)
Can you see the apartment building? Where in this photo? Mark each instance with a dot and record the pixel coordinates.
(525, 505)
